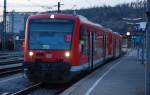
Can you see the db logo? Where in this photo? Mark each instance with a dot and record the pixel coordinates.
(49, 56)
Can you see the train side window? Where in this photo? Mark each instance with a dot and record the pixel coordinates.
(83, 41)
(98, 41)
(105, 41)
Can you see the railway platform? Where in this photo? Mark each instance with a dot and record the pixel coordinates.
(124, 76)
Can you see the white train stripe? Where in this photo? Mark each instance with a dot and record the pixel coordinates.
(83, 66)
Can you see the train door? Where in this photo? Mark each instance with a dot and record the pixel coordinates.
(100, 44)
(109, 45)
(114, 46)
(98, 48)
(104, 46)
(91, 49)
(120, 45)
(117, 47)
(84, 47)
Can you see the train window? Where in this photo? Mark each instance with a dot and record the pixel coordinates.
(98, 42)
(105, 41)
(50, 34)
(84, 41)
(82, 30)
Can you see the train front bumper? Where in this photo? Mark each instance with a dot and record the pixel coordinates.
(48, 72)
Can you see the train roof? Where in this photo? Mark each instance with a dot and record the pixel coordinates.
(117, 33)
(80, 17)
(39, 15)
(84, 19)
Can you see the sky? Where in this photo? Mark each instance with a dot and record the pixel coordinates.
(44, 5)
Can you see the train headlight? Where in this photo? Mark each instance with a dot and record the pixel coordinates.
(31, 53)
(67, 54)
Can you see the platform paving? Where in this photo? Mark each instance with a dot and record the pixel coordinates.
(124, 76)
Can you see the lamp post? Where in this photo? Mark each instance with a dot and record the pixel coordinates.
(4, 27)
(59, 5)
(12, 30)
(147, 65)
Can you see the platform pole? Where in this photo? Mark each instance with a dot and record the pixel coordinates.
(147, 64)
(4, 27)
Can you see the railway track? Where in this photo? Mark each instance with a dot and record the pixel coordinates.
(33, 88)
(10, 69)
(11, 61)
(10, 53)
(26, 90)
(10, 72)
(10, 58)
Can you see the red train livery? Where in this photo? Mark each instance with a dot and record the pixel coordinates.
(58, 46)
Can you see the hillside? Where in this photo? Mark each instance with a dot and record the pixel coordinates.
(111, 17)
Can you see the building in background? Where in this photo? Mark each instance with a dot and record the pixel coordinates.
(15, 25)
(13, 19)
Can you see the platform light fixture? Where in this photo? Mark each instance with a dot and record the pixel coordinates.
(128, 33)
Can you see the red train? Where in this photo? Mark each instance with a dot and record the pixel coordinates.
(59, 46)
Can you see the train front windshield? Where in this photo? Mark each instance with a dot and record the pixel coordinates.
(50, 34)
